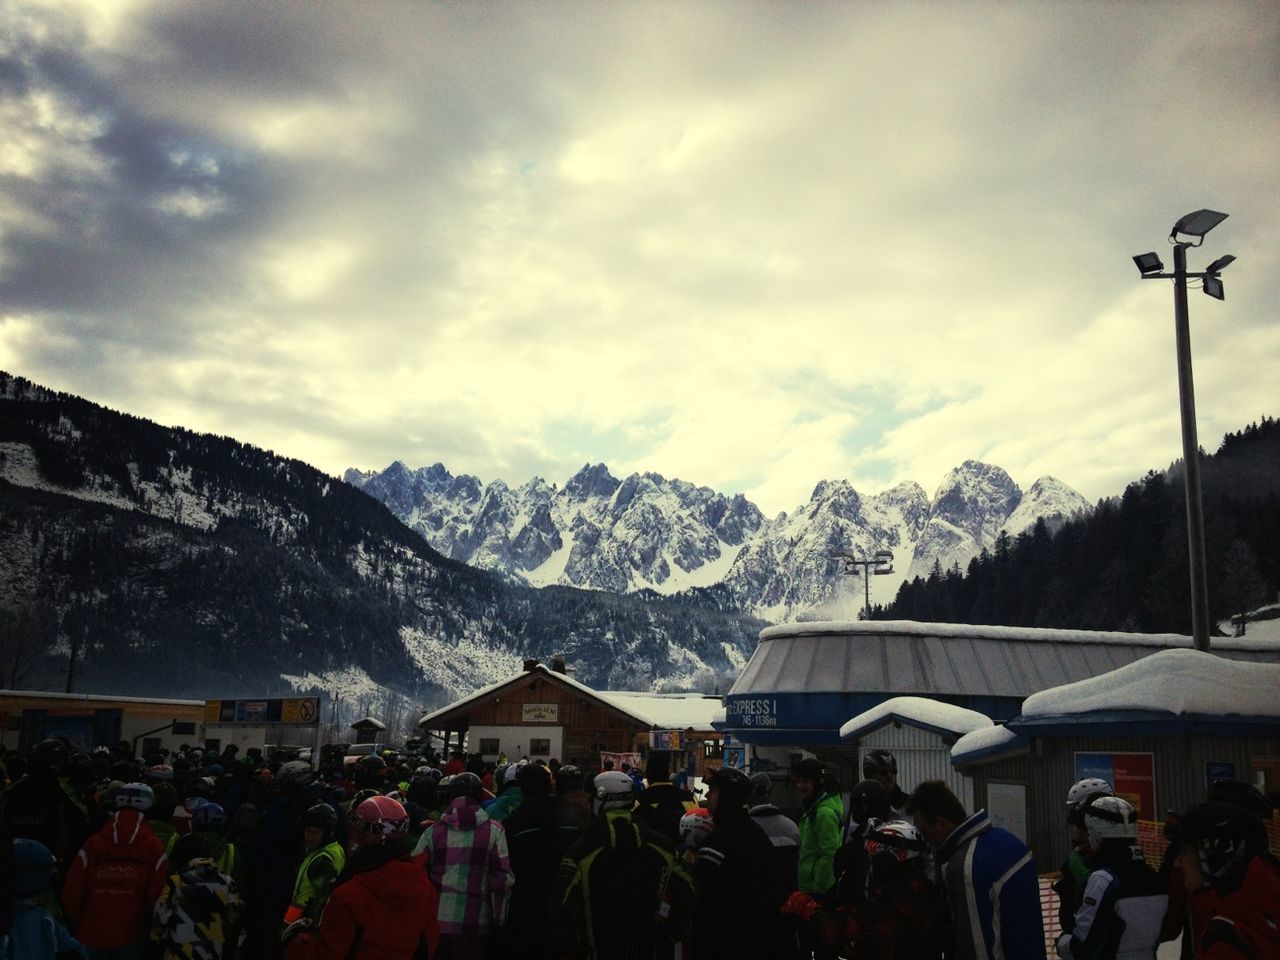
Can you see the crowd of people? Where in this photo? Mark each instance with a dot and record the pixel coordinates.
(210, 855)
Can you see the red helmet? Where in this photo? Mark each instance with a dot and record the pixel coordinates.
(378, 820)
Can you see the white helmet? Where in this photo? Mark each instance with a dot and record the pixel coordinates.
(1084, 789)
(696, 826)
(137, 796)
(896, 838)
(614, 791)
(1106, 818)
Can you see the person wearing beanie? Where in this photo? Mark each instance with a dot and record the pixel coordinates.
(32, 933)
(661, 804)
(821, 812)
(731, 875)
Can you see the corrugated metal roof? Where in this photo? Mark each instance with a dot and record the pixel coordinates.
(905, 657)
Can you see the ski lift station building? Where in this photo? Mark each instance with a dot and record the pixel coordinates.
(807, 681)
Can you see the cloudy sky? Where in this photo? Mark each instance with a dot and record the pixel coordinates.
(752, 244)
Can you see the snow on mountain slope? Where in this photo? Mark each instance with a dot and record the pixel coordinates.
(647, 532)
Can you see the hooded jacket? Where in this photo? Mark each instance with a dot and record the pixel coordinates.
(1122, 907)
(382, 907)
(731, 875)
(114, 881)
(820, 837)
(35, 935)
(199, 913)
(470, 868)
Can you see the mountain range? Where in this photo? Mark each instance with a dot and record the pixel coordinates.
(646, 532)
(147, 560)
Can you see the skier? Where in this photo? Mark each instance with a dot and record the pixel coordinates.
(1070, 887)
(34, 934)
(1123, 901)
(820, 833)
(323, 863)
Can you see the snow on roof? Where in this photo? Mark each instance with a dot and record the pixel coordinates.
(370, 722)
(96, 697)
(485, 691)
(984, 632)
(919, 711)
(1172, 682)
(670, 711)
(985, 742)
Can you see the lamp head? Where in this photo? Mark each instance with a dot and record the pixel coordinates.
(1149, 264)
(1213, 287)
(1197, 224)
(1220, 264)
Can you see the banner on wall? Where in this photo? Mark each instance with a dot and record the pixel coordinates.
(631, 760)
(1132, 776)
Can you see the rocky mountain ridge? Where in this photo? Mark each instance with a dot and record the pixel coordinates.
(646, 532)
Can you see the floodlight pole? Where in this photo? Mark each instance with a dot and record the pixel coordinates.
(1190, 454)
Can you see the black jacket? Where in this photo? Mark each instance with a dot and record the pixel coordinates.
(731, 875)
(538, 834)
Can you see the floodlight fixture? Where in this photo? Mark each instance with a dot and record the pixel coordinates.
(1149, 264)
(1197, 224)
(1220, 264)
(1213, 287)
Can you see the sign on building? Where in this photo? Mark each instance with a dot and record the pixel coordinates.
(297, 711)
(666, 740)
(540, 713)
(1132, 776)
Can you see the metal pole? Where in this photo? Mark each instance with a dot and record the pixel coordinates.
(866, 583)
(1190, 454)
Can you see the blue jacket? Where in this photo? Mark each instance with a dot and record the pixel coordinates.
(37, 936)
(993, 895)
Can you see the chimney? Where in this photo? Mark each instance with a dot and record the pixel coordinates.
(530, 665)
(557, 664)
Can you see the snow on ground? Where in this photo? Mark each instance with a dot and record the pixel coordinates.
(931, 713)
(1170, 681)
(982, 740)
(460, 667)
(19, 466)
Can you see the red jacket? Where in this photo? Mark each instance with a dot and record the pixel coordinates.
(1244, 923)
(113, 883)
(381, 908)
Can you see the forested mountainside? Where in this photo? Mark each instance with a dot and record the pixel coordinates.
(1125, 567)
(150, 559)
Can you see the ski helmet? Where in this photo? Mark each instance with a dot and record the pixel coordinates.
(734, 786)
(1223, 836)
(879, 761)
(323, 816)
(696, 826)
(896, 839)
(295, 773)
(1241, 794)
(159, 773)
(209, 817)
(1080, 794)
(378, 820)
(137, 796)
(466, 785)
(614, 790)
(1109, 818)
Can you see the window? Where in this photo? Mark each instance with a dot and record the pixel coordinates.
(489, 745)
(183, 729)
(712, 749)
(539, 747)
(150, 746)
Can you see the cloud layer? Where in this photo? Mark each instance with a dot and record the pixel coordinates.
(749, 245)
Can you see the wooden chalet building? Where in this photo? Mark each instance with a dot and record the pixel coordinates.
(542, 713)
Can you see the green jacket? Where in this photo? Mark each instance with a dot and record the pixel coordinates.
(819, 841)
(316, 875)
